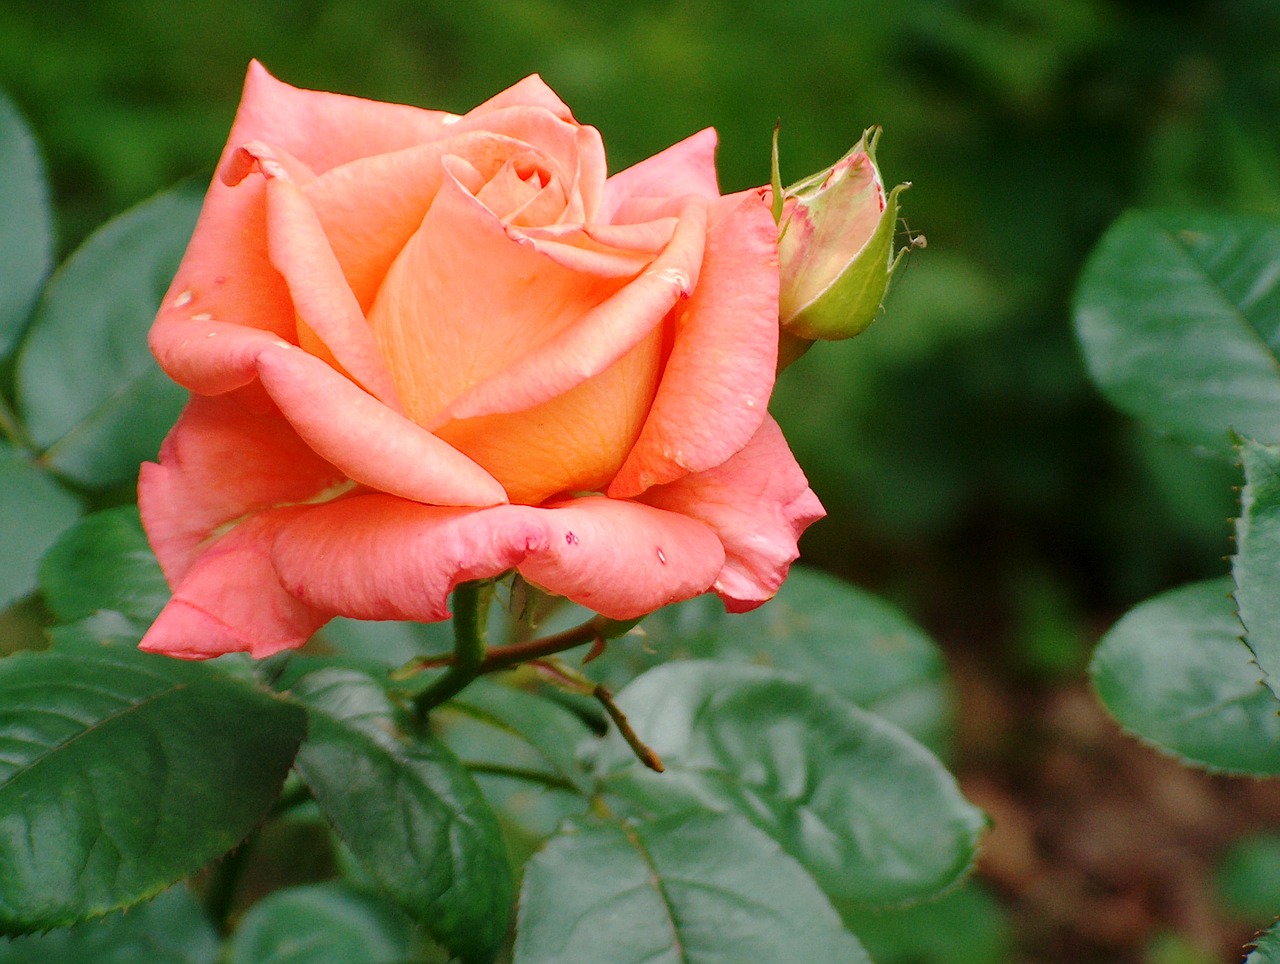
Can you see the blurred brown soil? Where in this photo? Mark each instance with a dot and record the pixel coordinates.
(1100, 844)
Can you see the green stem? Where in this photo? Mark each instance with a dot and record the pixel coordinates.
(520, 773)
(470, 613)
(504, 657)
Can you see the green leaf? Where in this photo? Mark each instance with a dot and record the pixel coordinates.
(172, 929)
(409, 812)
(320, 924)
(689, 888)
(26, 225)
(1178, 313)
(818, 626)
(1173, 673)
(1248, 877)
(121, 773)
(92, 397)
(1256, 566)
(964, 926)
(871, 813)
(104, 563)
(553, 731)
(1267, 948)
(34, 509)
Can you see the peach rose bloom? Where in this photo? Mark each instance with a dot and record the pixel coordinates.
(425, 348)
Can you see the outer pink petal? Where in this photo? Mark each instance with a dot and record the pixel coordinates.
(369, 442)
(225, 281)
(717, 383)
(221, 462)
(532, 91)
(688, 167)
(322, 129)
(376, 557)
(231, 601)
(758, 503)
(623, 559)
(600, 336)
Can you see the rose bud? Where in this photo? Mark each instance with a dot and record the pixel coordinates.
(835, 247)
(425, 349)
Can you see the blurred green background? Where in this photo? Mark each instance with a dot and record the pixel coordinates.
(971, 472)
(969, 469)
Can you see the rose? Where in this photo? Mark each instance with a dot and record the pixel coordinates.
(425, 349)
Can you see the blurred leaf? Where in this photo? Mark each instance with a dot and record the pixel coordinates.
(1174, 673)
(871, 813)
(92, 397)
(1179, 316)
(122, 773)
(817, 626)
(172, 929)
(104, 563)
(553, 731)
(691, 888)
(1267, 948)
(964, 926)
(409, 812)
(34, 509)
(26, 225)
(388, 642)
(320, 924)
(1248, 878)
(1256, 565)
(104, 627)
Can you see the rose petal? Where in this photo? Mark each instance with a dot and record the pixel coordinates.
(375, 557)
(609, 251)
(758, 503)
(225, 278)
(371, 206)
(378, 557)
(231, 601)
(623, 559)
(463, 301)
(688, 167)
(220, 462)
(533, 92)
(366, 440)
(574, 442)
(330, 323)
(322, 129)
(597, 338)
(715, 389)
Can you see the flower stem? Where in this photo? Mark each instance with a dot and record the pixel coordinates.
(470, 613)
(594, 631)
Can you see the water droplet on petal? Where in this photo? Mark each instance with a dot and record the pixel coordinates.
(662, 558)
(571, 538)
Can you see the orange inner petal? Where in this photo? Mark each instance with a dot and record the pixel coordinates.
(573, 443)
